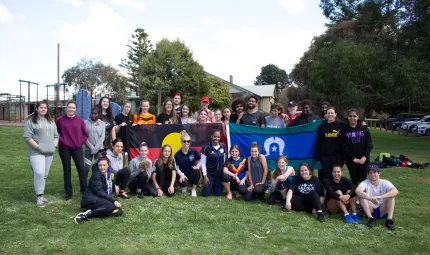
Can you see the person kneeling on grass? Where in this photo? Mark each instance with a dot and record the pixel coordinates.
(164, 172)
(98, 197)
(340, 195)
(308, 193)
(234, 173)
(279, 180)
(377, 198)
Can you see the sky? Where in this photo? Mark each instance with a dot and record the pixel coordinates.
(227, 37)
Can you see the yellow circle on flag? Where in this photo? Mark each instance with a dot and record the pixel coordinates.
(174, 140)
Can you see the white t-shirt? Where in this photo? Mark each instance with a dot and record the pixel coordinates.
(374, 191)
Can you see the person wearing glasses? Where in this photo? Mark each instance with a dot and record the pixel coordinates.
(188, 162)
(253, 116)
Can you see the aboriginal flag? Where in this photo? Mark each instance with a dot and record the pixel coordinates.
(155, 136)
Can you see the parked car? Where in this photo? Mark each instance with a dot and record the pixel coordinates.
(423, 129)
(409, 125)
(397, 124)
(388, 122)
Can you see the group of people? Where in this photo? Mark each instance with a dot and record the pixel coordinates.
(102, 138)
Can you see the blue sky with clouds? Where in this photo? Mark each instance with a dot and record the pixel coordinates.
(227, 37)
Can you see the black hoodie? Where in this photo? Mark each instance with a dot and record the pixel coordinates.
(356, 142)
(328, 141)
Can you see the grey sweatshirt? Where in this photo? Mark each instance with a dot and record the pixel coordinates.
(43, 133)
(96, 135)
(116, 163)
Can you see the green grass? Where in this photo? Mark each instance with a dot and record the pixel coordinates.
(186, 225)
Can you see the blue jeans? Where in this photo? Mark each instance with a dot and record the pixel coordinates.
(214, 187)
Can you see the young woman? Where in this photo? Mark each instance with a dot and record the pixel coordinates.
(234, 177)
(218, 116)
(98, 197)
(168, 116)
(357, 144)
(96, 136)
(73, 134)
(226, 114)
(188, 162)
(108, 118)
(274, 120)
(164, 174)
(340, 195)
(281, 175)
(140, 177)
(143, 117)
(256, 174)
(328, 144)
(186, 118)
(41, 136)
(203, 117)
(213, 156)
(306, 193)
(121, 173)
(122, 120)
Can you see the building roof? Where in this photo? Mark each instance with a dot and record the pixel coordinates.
(261, 90)
(230, 84)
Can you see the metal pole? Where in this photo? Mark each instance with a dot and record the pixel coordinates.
(28, 100)
(37, 92)
(20, 104)
(58, 80)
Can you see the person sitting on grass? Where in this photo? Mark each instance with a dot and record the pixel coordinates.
(234, 177)
(256, 174)
(98, 197)
(306, 193)
(377, 198)
(164, 172)
(340, 194)
(282, 173)
(122, 174)
(140, 177)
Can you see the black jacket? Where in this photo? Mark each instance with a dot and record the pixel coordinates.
(97, 187)
(305, 119)
(356, 142)
(328, 141)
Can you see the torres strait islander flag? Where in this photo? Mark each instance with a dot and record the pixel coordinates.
(296, 143)
(156, 136)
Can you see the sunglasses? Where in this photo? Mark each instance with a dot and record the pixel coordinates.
(186, 141)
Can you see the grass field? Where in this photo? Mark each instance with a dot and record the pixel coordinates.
(186, 225)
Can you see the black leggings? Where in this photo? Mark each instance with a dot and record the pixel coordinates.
(102, 208)
(193, 178)
(141, 182)
(122, 177)
(257, 192)
(357, 172)
(276, 195)
(78, 158)
(233, 183)
(327, 163)
(306, 202)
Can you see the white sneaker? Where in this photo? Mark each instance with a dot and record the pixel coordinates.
(45, 201)
(184, 190)
(194, 193)
(39, 202)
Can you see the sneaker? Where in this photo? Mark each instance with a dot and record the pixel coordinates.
(229, 196)
(124, 195)
(371, 223)
(348, 219)
(68, 198)
(320, 217)
(184, 190)
(39, 202)
(45, 201)
(140, 195)
(80, 218)
(193, 193)
(389, 224)
(356, 218)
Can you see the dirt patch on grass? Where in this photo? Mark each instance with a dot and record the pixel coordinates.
(426, 179)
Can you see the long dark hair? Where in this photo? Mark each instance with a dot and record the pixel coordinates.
(308, 167)
(103, 156)
(129, 115)
(172, 113)
(230, 159)
(35, 115)
(160, 161)
(108, 110)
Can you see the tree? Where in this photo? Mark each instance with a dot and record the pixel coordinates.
(140, 46)
(272, 74)
(93, 75)
(218, 93)
(157, 80)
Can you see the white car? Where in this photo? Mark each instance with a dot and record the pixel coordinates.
(409, 125)
(423, 129)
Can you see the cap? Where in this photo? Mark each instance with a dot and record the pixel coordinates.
(374, 168)
(292, 104)
(177, 95)
(205, 99)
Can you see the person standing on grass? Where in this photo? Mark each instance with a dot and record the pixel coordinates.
(177, 104)
(98, 197)
(205, 106)
(377, 198)
(96, 136)
(238, 106)
(203, 117)
(256, 173)
(121, 173)
(274, 120)
(340, 194)
(226, 115)
(213, 156)
(168, 116)
(185, 115)
(140, 176)
(143, 117)
(108, 118)
(188, 162)
(253, 116)
(280, 176)
(324, 107)
(122, 120)
(306, 116)
(306, 193)
(234, 173)
(164, 172)
(41, 136)
(328, 144)
(357, 145)
(292, 113)
(73, 134)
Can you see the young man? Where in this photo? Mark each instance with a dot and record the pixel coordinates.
(307, 116)
(177, 103)
(253, 116)
(324, 107)
(238, 106)
(292, 113)
(377, 198)
(205, 106)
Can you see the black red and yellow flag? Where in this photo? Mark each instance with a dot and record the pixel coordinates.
(158, 135)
